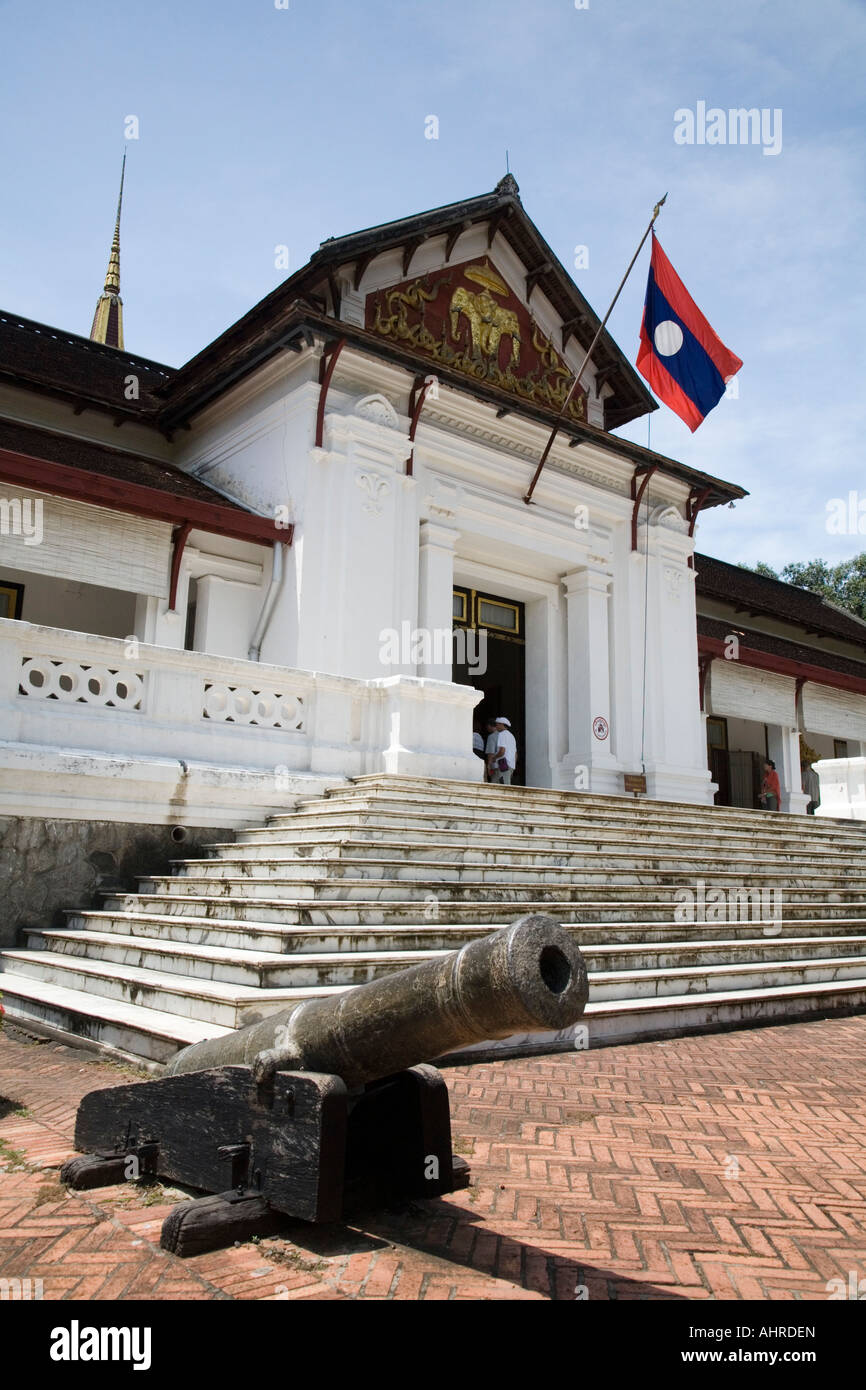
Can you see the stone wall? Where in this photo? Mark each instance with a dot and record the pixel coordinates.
(47, 866)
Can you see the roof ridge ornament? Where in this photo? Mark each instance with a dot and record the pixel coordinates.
(508, 187)
(107, 326)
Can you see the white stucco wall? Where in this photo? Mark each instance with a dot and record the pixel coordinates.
(375, 549)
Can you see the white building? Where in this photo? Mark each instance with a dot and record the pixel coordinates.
(239, 580)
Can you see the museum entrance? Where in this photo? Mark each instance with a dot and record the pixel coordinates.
(490, 654)
(738, 772)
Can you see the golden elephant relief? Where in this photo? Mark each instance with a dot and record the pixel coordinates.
(489, 322)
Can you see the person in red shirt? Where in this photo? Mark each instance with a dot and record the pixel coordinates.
(771, 792)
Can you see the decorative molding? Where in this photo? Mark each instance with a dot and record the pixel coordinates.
(376, 488)
(669, 518)
(584, 581)
(439, 537)
(523, 451)
(376, 408)
(673, 581)
(443, 500)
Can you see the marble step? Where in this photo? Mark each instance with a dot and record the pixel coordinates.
(383, 873)
(203, 1000)
(276, 938)
(607, 1023)
(356, 965)
(549, 832)
(127, 1029)
(233, 1005)
(155, 1036)
(351, 843)
(455, 813)
(728, 977)
(431, 789)
(524, 802)
(310, 869)
(481, 793)
(238, 902)
(260, 969)
(441, 891)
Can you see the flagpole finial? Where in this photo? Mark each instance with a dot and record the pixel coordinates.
(658, 207)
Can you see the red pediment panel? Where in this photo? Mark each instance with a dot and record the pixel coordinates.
(467, 318)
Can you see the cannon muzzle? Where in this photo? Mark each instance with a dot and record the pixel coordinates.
(529, 977)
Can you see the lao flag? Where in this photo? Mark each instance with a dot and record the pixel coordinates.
(684, 361)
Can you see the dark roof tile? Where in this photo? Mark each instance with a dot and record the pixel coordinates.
(107, 462)
(76, 368)
(756, 593)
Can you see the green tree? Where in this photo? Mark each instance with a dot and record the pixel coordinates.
(843, 584)
(760, 568)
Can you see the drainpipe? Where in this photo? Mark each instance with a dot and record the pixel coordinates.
(277, 576)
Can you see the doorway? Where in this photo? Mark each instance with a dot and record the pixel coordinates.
(492, 658)
(737, 772)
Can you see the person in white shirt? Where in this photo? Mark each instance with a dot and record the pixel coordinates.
(505, 750)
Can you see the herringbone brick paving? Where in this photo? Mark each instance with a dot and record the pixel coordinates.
(730, 1166)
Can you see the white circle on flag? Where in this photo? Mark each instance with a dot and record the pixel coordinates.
(668, 338)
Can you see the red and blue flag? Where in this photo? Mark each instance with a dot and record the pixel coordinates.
(683, 359)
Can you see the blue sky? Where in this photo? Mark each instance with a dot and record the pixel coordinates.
(262, 126)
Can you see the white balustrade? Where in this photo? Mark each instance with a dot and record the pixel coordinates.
(183, 727)
(843, 788)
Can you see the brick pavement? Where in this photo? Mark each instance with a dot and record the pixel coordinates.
(721, 1167)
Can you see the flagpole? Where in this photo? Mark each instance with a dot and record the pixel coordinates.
(549, 445)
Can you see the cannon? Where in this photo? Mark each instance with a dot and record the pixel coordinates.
(332, 1107)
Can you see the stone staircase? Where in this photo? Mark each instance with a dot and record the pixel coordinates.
(383, 872)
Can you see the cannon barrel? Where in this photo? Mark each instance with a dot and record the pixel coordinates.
(528, 977)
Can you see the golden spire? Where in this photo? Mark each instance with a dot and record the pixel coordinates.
(108, 319)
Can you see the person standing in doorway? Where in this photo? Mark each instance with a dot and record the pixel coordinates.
(478, 749)
(771, 792)
(503, 761)
(490, 747)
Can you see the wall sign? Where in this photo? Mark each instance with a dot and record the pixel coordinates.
(600, 727)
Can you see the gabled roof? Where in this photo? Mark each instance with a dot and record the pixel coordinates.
(305, 308)
(759, 595)
(505, 214)
(315, 283)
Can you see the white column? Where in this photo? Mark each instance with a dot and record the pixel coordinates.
(545, 692)
(435, 604)
(589, 722)
(784, 749)
(672, 731)
(156, 623)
